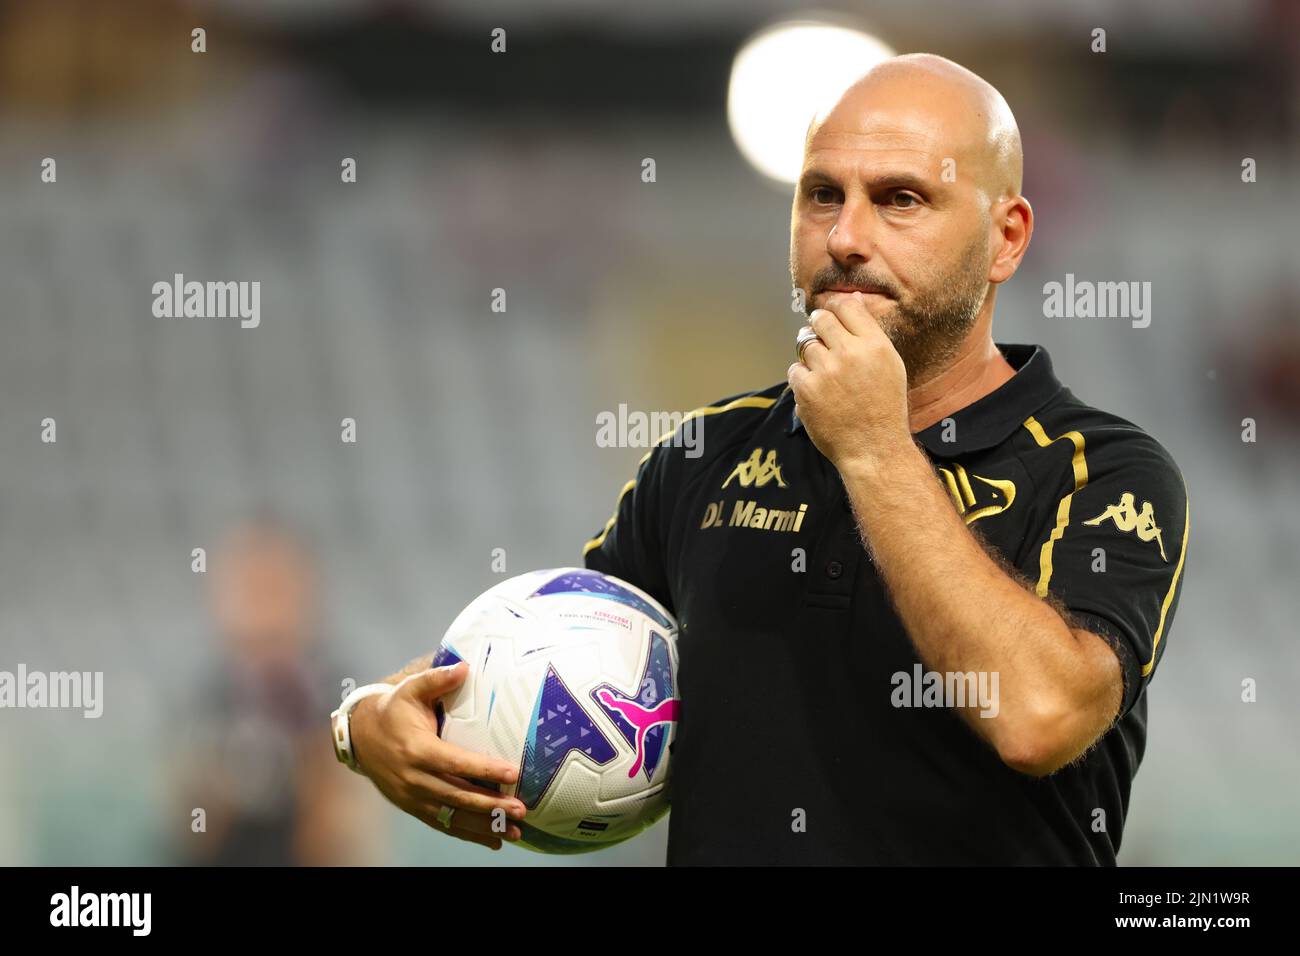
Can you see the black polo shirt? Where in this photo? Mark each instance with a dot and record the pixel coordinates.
(791, 746)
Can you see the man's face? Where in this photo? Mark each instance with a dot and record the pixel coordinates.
(872, 211)
(264, 594)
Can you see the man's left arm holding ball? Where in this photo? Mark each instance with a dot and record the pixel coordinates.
(1061, 687)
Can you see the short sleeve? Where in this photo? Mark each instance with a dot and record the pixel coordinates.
(1114, 548)
(630, 545)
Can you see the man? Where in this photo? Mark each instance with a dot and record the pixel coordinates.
(921, 587)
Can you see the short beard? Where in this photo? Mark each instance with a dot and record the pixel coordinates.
(927, 331)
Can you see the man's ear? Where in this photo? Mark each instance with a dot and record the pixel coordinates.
(1014, 220)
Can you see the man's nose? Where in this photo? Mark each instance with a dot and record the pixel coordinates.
(852, 238)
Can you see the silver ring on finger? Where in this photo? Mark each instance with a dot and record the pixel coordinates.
(805, 338)
(444, 817)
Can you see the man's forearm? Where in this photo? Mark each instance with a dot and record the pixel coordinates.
(962, 611)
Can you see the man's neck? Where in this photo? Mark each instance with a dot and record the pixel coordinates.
(978, 369)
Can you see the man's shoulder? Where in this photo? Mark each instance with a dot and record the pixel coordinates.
(1101, 442)
(712, 430)
(763, 398)
(742, 412)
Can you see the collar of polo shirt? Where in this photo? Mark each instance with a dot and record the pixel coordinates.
(991, 420)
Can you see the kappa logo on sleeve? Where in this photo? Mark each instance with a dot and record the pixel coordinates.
(1128, 519)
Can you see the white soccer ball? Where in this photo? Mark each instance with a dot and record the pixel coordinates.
(573, 678)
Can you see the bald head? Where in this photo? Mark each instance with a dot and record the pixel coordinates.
(959, 113)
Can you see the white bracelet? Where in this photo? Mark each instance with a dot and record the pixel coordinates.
(341, 722)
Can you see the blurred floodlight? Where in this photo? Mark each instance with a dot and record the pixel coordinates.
(781, 77)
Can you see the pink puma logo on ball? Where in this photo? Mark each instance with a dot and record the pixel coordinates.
(642, 718)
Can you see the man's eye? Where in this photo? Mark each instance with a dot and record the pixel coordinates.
(904, 200)
(822, 195)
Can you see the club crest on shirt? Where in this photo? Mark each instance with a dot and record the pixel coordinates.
(992, 496)
(1128, 519)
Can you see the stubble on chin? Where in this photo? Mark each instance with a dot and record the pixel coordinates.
(927, 332)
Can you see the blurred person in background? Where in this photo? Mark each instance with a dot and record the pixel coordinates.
(256, 764)
(1263, 365)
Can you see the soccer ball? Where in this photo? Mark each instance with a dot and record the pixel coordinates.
(573, 678)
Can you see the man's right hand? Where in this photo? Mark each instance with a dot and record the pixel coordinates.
(396, 744)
